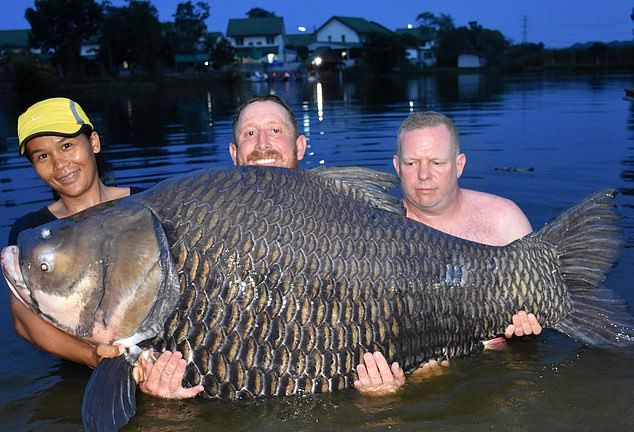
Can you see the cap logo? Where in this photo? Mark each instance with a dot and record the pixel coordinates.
(73, 109)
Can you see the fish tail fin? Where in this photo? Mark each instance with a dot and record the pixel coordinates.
(109, 399)
(588, 242)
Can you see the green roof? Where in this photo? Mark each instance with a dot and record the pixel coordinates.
(267, 26)
(14, 38)
(359, 25)
(300, 39)
(419, 34)
(214, 36)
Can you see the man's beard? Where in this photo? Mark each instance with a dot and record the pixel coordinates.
(257, 155)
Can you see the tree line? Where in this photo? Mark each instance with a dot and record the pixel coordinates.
(131, 38)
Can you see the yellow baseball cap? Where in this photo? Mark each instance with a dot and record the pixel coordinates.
(55, 116)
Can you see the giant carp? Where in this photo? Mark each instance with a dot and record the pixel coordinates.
(277, 281)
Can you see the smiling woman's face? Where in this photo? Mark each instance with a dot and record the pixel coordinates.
(66, 164)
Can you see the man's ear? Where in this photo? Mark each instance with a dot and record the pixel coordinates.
(233, 152)
(300, 144)
(95, 142)
(395, 162)
(461, 161)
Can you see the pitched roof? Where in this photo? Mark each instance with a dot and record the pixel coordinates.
(421, 35)
(300, 39)
(14, 38)
(266, 26)
(214, 36)
(359, 25)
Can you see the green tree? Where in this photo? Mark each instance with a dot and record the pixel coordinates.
(435, 24)
(189, 26)
(491, 44)
(222, 54)
(259, 13)
(61, 26)
(131, 35)
(518, 58)
(29, 74)
(383, 52)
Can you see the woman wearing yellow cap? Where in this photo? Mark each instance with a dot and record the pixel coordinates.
(59, 140)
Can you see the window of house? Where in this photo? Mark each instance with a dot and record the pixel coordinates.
(270, 40)
(343, 38)
(239, 41)
(259, 42)
(329, 38)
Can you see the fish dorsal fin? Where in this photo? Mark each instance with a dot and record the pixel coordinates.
(364, 184)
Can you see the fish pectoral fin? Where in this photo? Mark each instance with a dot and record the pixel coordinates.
(109, 399)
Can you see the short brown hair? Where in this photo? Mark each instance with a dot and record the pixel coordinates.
(264, 98)
(427, 119)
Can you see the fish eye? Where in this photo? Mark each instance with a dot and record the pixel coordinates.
(46, 267)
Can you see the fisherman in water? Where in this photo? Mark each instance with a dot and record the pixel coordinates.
(429, 163)
(59, 140)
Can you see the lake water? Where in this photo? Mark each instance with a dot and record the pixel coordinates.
(574, 132)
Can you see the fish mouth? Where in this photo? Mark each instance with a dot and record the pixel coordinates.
(13, 274)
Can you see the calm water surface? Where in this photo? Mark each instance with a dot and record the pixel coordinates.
(575, 132)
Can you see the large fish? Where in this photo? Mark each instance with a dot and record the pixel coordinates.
(276, 281)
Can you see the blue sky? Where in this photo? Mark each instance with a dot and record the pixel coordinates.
(557, 23)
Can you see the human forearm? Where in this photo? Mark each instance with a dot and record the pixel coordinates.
(48, 338)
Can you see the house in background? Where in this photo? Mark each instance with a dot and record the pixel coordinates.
(14, 41)
(299, 44)
(19, 40)
(258, 40)
(345, 36)
(470, 61)
(419, 46)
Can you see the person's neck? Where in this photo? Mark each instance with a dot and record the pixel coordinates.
(67, 205)
(439, 215)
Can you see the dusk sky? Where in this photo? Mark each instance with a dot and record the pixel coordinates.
(556, 23)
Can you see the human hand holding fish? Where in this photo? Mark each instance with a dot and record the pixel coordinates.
(376, 378)
(164, 377)
(523, 325)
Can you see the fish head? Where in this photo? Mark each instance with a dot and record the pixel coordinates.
(104, 275)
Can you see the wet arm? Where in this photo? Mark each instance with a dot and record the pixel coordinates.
(50, 339)
(163, 379)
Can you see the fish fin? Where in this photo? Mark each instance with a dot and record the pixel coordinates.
(588, 241)
(598, 318)
(109, 399)
(364, 184)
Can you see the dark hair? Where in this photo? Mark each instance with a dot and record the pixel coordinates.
(264, 98)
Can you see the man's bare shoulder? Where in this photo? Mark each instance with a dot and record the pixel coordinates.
(500, 212)
(489, 202)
